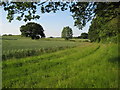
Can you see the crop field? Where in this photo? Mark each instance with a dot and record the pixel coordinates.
(18, 42)
(17, 46)
(86, 65)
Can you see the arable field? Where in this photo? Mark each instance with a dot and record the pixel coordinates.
(17, 46)
(88, 65)
(18, 42)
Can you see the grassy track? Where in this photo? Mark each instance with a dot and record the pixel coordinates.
(86, 66)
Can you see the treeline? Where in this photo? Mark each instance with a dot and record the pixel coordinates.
(105, 28)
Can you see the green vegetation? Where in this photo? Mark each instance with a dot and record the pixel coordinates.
(89, 65)
(67, 33)
(84, 36)
(104, 29)
(33, 30)
(83, 65)
(17, 46)
(82, 12)
(18, 42)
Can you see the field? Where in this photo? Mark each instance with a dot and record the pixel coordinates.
(18, 42)
(82, 65)
(17, 46)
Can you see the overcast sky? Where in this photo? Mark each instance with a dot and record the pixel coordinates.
(52, 23)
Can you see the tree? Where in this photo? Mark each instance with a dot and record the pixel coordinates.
(84, 36)
(102, 29)
(32, 30)
(67, 33)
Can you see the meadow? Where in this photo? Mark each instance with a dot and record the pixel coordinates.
(82, 65)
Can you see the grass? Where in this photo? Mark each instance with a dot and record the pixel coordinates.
(89, 65)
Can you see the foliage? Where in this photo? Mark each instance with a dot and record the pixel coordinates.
(84, 36)
(110, 30)
(93, 31)
(105, 25)
(82, 12)
(32, 30)
(67, 33)
(103, 28)
(90, 65)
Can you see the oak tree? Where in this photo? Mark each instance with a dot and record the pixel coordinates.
(33, 30)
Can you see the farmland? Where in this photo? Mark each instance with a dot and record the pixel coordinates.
(18, 42)
(17, 46)
(82, 65)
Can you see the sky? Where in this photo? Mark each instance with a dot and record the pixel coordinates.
(53, 23)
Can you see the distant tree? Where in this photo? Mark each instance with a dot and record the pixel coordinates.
(32, 30)
(4, 35)
(67, 33)
(84, 36)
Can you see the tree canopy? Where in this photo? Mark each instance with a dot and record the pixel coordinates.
(101, 29)
(32, 30)
(67, 33)
(82, 12)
